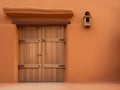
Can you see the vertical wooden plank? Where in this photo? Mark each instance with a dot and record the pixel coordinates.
(48, 53)
(21, 55)
(40, 54)
(27, 75)
(54, 75)
(43, 47)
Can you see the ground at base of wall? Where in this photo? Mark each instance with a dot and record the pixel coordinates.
(59, 86)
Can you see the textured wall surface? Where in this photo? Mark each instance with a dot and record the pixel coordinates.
(8, 53)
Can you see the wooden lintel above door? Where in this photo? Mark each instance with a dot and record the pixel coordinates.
(37, 13)
(43, 22)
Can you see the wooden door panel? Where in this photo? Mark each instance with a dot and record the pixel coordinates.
(53, 58)
(53, 53)
(60, 53)
(53, 75)
(60, 75)
(29, 75)
(28, 33)
(50, 53)
(53, 32)
(28, 53)
(49, 74)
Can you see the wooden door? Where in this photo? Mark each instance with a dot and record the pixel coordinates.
(41, 56)
(53, 53)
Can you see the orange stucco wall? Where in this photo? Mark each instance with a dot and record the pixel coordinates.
(92, 54)
(8, 53)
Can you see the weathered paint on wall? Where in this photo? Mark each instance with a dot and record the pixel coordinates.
(92, 54)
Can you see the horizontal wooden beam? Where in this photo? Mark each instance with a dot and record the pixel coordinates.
(40, 22)
(37, 13)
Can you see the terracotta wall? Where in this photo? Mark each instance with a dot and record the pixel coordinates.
(8, 53)
(92, 54)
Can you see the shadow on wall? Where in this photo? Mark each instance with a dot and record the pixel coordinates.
(114, 59)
